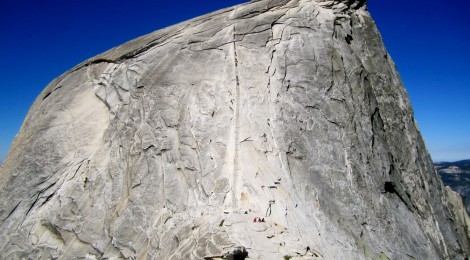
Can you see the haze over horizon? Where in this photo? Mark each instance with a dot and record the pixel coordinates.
(428, 42)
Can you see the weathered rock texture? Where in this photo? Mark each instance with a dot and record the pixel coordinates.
(167, 147)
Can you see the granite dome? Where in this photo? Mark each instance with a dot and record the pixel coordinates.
(170, 145)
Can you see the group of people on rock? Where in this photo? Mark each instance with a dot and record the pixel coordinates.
(257, 219)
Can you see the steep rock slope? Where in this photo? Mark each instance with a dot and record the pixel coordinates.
(167, 147)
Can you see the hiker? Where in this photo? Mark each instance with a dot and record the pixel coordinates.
(254, 220)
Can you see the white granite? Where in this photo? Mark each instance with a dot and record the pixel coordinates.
(167, 147)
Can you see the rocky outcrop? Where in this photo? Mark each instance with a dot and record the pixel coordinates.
(171, 145)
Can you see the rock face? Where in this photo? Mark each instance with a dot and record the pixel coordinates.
(169, 146)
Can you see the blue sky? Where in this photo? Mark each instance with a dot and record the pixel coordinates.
(429, 42)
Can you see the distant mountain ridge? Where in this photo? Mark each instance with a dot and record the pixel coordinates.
(457, 176)
(463, 166)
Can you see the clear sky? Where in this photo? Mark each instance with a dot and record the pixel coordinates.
(428, 40)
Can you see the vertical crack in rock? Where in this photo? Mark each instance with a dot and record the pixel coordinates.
(11, 212)
(29, 211)
(236, 174)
